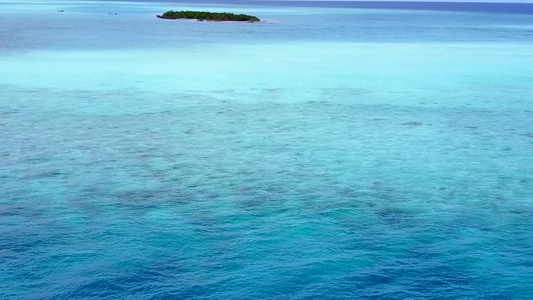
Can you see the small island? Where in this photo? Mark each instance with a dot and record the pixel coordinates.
(207, 16)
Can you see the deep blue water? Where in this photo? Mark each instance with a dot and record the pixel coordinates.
(339, 151)
(498, 8)
(477, 7)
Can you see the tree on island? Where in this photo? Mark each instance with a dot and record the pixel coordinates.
(209, 16)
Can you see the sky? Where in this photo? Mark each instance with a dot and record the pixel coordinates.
(483, 1)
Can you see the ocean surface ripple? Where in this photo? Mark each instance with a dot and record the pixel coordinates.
(331, 166)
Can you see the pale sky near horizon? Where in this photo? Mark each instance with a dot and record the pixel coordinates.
(483, 1)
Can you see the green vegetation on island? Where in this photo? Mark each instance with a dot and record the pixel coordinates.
(207, 16)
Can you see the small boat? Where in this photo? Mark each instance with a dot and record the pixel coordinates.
(60, 10)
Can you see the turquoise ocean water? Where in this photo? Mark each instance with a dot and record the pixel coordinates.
(335, 152)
